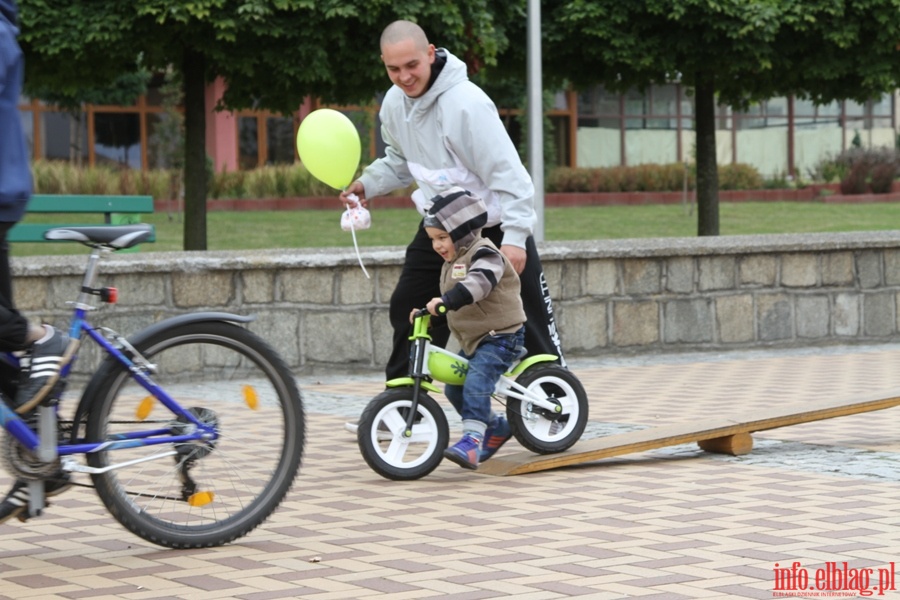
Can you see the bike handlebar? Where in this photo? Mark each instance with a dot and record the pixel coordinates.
(441, 309)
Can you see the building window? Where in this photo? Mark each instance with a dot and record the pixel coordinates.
(248, 143)
(117, 139)
(280, 141)
(63, 136)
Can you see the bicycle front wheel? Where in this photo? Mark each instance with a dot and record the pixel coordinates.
(382, 438)
(200, 493)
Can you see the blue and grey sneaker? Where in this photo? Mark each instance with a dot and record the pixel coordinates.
(40, 369)
(497, 434)
(464, 452)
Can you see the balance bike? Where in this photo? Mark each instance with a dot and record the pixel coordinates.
(403, 431)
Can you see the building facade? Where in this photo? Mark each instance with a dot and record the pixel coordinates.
(593, 128)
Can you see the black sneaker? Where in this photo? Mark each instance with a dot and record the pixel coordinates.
(16, 502)
(40, 370)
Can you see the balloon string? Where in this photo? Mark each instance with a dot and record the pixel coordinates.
(356, 247)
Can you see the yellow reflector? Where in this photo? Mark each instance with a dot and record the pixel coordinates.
(145, 408)
(201, 498)
(250, 397)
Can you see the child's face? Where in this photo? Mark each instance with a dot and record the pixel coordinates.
(441, 242)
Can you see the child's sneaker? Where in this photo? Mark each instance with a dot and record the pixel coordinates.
(464, 452)
(40, 370)
(497, 434)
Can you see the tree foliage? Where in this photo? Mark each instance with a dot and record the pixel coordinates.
(271, 54)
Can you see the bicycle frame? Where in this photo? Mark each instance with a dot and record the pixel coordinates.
(442, 365)
(140, 370)
(215, 385)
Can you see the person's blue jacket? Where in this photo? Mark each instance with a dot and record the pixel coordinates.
(15, 170)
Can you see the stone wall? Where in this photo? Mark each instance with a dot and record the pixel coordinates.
(611, 297)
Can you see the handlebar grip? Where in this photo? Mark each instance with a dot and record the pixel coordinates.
(441, 309)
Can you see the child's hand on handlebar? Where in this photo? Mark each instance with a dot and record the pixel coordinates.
(436, 307)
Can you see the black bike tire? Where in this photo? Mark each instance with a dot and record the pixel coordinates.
(517, 420)
(109, 379)
(368, 446)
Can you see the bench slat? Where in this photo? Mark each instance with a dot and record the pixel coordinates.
(90, 204)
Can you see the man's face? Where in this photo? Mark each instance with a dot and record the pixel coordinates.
(441, 242)
(408, 66)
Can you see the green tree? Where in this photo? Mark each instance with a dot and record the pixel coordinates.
(731, 52)
(271, 54)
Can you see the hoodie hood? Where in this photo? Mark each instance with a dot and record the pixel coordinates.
(459, 213)
(453, 72)
(9, 11)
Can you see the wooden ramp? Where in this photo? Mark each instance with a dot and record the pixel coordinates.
(729, 435)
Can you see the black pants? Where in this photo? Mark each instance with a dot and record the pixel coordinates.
(420, 282)
(13, 325)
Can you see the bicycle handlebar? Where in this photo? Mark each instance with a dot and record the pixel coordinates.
(441, 309)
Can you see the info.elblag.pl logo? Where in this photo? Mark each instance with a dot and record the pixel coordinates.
(833, 580)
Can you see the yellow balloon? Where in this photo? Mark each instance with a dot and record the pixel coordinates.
(329, 146)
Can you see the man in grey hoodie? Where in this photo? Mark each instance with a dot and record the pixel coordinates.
(42, 346)
(442, 131)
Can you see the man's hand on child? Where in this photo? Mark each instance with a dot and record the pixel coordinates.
(515, 255)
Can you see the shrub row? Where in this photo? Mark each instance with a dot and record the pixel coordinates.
(56, 177)
(282, 181)
(858, 170)
(861, 170)
(648, 178)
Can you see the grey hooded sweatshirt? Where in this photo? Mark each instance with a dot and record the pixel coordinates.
(451, 136)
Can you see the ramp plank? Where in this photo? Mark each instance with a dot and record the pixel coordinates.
(673, 435)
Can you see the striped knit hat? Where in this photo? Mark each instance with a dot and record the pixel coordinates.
(458, 212)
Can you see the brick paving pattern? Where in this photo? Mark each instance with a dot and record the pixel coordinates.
(671, 523)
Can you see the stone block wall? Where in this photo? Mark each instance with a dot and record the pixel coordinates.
(611, 297)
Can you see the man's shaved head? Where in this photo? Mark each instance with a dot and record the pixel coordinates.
(401, 31)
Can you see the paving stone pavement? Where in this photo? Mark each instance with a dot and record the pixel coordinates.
(670, 523)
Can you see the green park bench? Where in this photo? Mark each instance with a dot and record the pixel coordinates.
(116, 210)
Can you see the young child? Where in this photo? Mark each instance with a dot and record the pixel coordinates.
(481, 291)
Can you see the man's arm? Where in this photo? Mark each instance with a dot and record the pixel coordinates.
(389, 172)
(482, 144)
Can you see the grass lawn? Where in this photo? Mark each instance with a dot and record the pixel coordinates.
(393, 227)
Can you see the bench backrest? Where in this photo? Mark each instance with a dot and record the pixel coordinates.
(90, 204)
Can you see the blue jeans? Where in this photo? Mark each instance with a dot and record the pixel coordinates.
(492, 358)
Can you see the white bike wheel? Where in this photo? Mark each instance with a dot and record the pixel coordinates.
(535, 428)
(383, 441)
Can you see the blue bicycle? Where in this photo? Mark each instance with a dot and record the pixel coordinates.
(192, 430)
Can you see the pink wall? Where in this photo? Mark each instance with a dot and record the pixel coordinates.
(221, 130)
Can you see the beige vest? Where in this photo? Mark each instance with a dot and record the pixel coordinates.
(499, 312)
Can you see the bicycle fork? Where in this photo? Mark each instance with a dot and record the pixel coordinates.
(418, 375)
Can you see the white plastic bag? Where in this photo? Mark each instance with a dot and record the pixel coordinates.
(354, 218)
